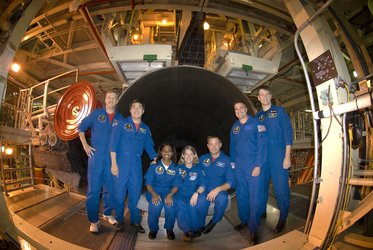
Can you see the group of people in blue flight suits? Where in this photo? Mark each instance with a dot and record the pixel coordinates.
(259, 152)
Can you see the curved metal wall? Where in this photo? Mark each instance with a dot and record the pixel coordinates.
(185, 104)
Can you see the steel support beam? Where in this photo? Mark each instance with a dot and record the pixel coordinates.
(318, 38)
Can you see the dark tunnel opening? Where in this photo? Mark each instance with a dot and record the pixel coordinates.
(185, 104)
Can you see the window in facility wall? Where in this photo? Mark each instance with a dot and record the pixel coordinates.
(8, 108)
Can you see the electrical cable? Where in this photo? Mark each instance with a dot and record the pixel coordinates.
(345, 187)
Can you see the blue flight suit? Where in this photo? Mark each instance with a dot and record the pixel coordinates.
(162, 181)
(99, 165)
(129, 146)
(217, 173)
(248, 150)
(280, 134)
(190, 218)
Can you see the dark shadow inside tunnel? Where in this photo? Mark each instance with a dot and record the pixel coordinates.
(185, 104)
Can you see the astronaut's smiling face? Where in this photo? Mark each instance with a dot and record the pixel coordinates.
(166, 153)
(188, 156)
(264, 96)
(214, 145)
(136, 111)
(111, 100)
(240, 110)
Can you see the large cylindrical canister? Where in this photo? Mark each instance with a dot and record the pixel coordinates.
(185, 104)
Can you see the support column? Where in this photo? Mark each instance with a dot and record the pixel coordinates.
(318, 38)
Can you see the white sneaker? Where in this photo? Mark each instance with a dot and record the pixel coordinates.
(110, 219)
(94, 227)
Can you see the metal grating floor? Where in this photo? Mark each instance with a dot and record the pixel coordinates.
(75, 229)
(63, 215)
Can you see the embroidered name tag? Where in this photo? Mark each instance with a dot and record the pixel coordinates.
(170, 172)
(220, 164)
(272, 114)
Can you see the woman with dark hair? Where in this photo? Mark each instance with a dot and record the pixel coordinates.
(162, 181)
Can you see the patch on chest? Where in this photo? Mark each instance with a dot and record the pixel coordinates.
(159, 170)
(236, 130)
(261, 117)
(128, 127)
(206, 162)
(183, 173)
(142, 130)
(193, 176)
(115, 123)
(101, 118)
(261, 128)
(272, 114)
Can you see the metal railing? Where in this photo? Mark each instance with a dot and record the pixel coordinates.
(35, 110)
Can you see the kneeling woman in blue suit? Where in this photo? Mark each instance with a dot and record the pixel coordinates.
(190, 196)
(162, 181)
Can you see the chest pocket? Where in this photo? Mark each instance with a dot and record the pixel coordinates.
(219, 168)
(102, 123)
(140, 136)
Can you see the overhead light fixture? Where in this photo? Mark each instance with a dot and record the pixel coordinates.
(163, 19)
(206, 26)
(15, 67)
(136, 36)
(8, 151)
(354, 73)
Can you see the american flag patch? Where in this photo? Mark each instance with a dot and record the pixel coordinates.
(261, 128)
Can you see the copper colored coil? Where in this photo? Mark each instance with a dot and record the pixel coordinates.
(76, 103)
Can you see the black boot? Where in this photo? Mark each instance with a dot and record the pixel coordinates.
(170, 234)
(254, 238)
(138, 228)
(120, 227)
(280, 227)
(240, 226)
(209, 227)
(152, 235)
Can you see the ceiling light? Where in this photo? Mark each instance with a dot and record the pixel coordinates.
(206, 26)
(15, 67)
(354, 73)
(8, 151)
(136, 37)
